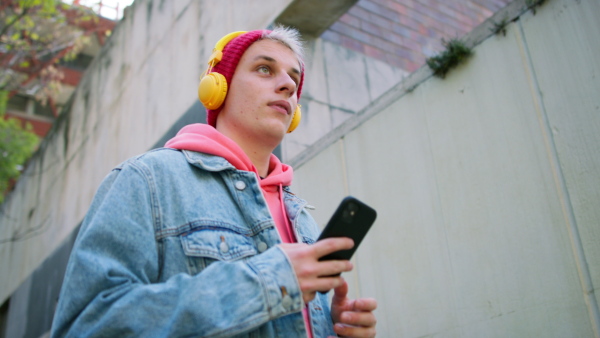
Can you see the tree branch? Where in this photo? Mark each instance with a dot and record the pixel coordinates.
(21, 16)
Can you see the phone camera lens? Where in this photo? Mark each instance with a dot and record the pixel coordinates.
(353, 208)
(350, 212)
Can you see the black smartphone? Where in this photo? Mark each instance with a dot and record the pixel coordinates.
(352, 219)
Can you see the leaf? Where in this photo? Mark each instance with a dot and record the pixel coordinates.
(3, 102)
(17, 143)
(28, 22)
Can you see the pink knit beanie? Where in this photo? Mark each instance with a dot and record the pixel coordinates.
(232, 53)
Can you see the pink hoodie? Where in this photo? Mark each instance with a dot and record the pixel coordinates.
(206, 139)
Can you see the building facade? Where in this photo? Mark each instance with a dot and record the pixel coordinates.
(484, 181)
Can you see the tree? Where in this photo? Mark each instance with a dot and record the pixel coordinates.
(34, 36)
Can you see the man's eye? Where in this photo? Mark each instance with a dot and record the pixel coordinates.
(264, 70)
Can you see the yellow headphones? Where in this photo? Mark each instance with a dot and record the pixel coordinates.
(213, 86)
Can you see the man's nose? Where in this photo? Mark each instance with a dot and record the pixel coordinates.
(286, 83)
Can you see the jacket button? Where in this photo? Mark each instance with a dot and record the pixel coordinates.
(223, 247)
(240, 185)
(262, 246)
(286, 302)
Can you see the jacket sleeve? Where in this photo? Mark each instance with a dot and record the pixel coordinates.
(110, 287)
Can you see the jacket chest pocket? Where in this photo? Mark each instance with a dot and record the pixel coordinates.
(206, 246)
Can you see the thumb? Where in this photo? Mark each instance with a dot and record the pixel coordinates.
(340, 292)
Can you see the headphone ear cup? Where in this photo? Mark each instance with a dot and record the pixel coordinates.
(212, 90)
(295, 119)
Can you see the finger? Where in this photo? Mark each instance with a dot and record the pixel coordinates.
(308, 296)
(340, 293)
(323, 284)
(365, 304)
(330, 245)
(364, 319)
(318, 269)
(333, 268)
(353, 331)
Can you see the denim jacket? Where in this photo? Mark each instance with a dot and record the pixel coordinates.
(182, 244)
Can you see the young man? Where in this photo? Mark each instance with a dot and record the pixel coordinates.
(204, 237)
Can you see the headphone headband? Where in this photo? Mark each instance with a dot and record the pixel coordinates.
(217, 53)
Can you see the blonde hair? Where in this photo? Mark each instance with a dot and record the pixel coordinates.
(288, 36)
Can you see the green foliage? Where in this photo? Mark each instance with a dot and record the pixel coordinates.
(17, 143)
(456, 52)
(532, 4)
(500, 27)
(3, 102)
(34, 36)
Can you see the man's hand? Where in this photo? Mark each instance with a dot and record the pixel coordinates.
(352, 317)
(313, 275)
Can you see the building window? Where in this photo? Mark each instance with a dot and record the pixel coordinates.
(80, 62)
(42, 110)
(18, 104)
(25, 105)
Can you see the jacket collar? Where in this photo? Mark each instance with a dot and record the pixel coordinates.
(207, 162)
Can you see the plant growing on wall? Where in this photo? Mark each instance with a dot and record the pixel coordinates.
(455, 53)
(533, 4)
(500, 27)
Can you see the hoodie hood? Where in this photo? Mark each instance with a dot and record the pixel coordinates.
(206, 139)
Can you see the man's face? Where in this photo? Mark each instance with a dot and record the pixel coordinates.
(262, 95)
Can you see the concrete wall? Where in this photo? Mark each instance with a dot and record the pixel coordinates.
(487, 185)
(486, 182)
(143, 81)
(339, 84)
(137, 93)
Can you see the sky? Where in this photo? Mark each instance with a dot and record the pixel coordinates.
(111, 9)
